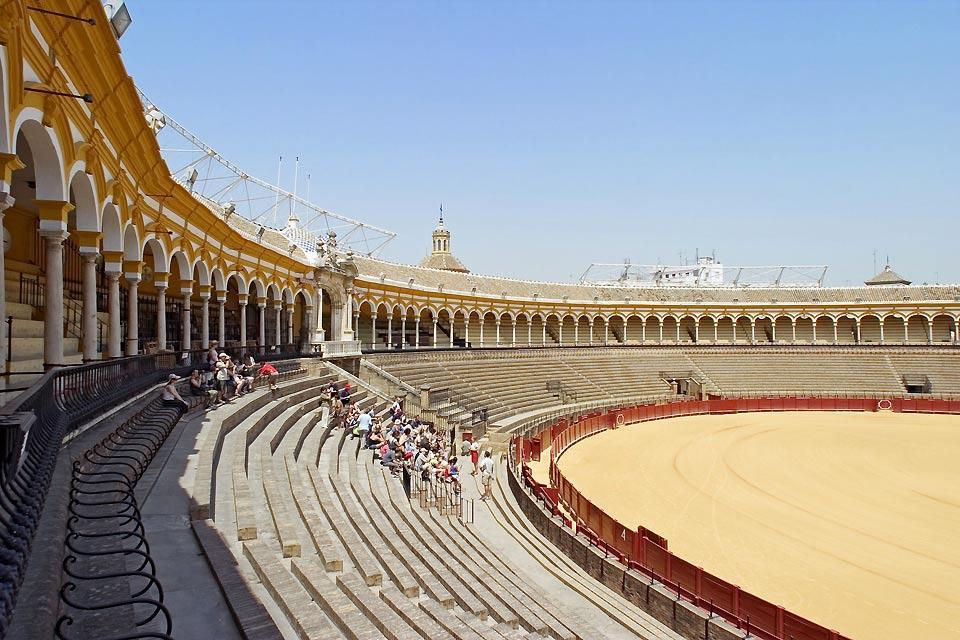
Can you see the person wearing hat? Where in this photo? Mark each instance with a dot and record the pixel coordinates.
(170, 397)
(222, 374)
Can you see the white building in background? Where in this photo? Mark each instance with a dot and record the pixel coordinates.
(706, 271)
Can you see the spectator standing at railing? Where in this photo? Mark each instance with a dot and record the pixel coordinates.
(210, 362)
(475, 456)
(223, 375)
(486, 475)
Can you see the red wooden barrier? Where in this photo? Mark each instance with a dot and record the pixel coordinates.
(647, 550)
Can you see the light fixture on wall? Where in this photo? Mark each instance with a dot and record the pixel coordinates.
(60, 14)
(119, 16)
(86, 97)
(155, 119)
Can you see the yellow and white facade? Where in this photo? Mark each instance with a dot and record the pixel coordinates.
(101, 244)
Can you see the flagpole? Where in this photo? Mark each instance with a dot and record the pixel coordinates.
(276, 202)
(296, 176)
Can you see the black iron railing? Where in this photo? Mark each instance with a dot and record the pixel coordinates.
(105, 525)
(32, 427)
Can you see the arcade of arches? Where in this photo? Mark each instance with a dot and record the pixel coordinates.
(106, 255)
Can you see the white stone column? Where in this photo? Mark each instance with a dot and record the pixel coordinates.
(606, 331)
(590, 339)
(185, 343)
(906, 330)
(660, 331)
(513, 332)
(773, 330)
(161, 315)
(313, 337)
(678, 330)
(881, 331)
(346, 332)
(321, 335)
(291, 308)
(856, 335)
(814, 330)
(390, 331)
(133, 314)
(560, 333)
(835, 338)
(434, 332)
(498, 332)
(262, 323)
(221, 318)
(114, 338)
(452, 325)
(242, 304)
(205, 320)
(416, 334)
(793, 331)
(529, 332)
(89, 329)
(373, 329)
(53, 294)
(643, 330)
(753, 331)
(403, 331)
(576, 331)
(716, 330)
(6, 201)
(278, 334)
(543, 332)
(481, 332)
(696, 330)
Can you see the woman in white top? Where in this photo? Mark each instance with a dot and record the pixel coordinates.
(170, 397)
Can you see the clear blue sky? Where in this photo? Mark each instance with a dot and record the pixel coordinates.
(562, 133)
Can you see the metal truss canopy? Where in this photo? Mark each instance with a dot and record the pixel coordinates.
(705, 274)
(217, 182)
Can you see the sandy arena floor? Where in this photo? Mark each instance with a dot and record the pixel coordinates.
(849, 519)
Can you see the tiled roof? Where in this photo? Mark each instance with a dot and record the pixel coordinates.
(427, 278)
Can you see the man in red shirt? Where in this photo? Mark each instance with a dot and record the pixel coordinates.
(270, 372)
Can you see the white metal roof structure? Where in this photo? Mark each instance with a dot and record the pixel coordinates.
(216, 181)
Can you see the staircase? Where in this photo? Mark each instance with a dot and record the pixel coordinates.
(553, 335)
(26, 337)
(617, 334)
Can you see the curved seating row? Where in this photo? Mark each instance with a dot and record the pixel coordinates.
(330, 546)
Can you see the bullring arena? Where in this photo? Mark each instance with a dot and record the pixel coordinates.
(670, 457)
(859, 507)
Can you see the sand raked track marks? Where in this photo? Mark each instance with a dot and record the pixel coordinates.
(849, 519)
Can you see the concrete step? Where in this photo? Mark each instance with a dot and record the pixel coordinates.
(19, 311)
(25, 328)
(31, 348)
(36, 363)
